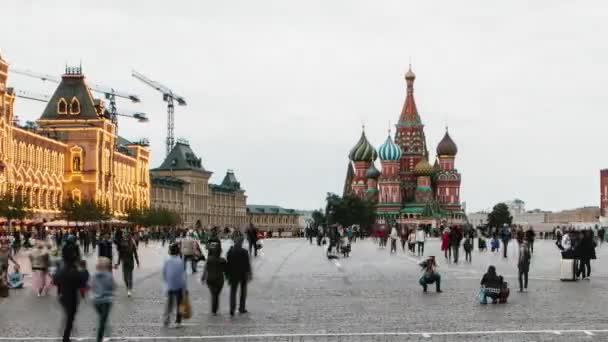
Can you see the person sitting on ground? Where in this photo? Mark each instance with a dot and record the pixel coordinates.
(491, 283)
(430, 275)
(15, 279)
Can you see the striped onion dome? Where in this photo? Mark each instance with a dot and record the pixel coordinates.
(363, 151)
(372, 172)
(423, 168)
(389, 150)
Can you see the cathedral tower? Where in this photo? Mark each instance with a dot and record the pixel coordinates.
(448, 178)
(362, 155)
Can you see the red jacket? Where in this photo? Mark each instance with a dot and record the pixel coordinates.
(445, 240)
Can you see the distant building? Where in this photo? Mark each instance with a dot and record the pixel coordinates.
(181, 184)
(603, 192)
(516, 206)
(271, 218)
(579, 215)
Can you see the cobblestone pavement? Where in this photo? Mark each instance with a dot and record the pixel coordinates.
(297, 294)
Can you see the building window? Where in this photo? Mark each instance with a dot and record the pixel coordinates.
(62, 106)
(76, 196)
(74, 106)
(77, 161)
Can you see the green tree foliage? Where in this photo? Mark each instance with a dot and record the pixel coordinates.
(13, 208)
(318, 218)
(349, 210)
(499, 216)
(154, 217)
(85, 211)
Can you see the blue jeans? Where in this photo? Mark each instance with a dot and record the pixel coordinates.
(427, 279)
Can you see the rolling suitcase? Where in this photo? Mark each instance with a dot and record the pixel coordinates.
(567, 270)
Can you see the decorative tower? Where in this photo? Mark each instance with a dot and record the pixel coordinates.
(410, 138)
(448, 178)
(424, 171)
(362, 155)
(372, 175)
(389, 184)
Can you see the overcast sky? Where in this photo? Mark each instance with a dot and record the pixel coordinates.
(278, 90)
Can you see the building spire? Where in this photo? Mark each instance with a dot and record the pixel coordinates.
(409, 113)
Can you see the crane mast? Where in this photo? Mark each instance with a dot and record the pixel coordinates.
(170, 97)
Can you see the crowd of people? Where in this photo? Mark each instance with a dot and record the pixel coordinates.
(58, 260)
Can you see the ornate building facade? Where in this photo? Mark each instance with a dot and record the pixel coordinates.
(408, 189)
(73, 153)
(181, 184)
(272, 218)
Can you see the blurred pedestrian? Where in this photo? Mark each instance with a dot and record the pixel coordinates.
(420, 239)
(523, 266)
(127, 254)
(239, 273)
(394, 236)
(102, 291)
(69, 280)
(252, 239)
(40, 261)
(174, 277)
(213, 275)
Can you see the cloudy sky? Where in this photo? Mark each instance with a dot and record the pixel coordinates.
(278, 90)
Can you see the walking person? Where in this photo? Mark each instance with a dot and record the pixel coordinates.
(213, 275)
(127, 254)
(252, 239)
(530, 237)
(189, 249)
(239, 273)
(505, 236)
(40, 261)
(585, 250)
(104, 249)
(174, 277)
(102, 290)
(420, 239)
(394, 237)
(69, 280)
(468, 248)
(403, 236)
(455, 238)
(445, 244)
(523, 266)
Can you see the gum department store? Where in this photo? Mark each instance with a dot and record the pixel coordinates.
(75, 152)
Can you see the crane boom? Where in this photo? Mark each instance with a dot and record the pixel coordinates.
(107, 91)
(31, 96)
(169, 96)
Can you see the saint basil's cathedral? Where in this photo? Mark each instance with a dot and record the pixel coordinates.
(408, 189)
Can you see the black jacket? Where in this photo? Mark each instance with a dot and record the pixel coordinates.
(105, 249)
(238, 267)
(215, 268)
(69, 280)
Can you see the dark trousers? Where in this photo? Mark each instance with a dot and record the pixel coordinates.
(243, 295)
(215, 296)
(427, 279)
(531, 245)
(420, 248)
(448, 253)
(127, 275)
(85, 247)
(69, 308)
(403, 245)
(505, 245)
(523, 279)
(467, 255)
(253, 247)
(174, 298)
(103, 311)
(584, 268)
(455, 252)
(192, 259)
(393, 245)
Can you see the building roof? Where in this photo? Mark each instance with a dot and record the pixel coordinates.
(182, 157)
(72, 86)
(167, 181)
(270, 209)
(372, 172)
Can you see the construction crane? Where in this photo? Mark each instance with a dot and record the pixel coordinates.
(139, 116)
(110, 93)
(170, 97)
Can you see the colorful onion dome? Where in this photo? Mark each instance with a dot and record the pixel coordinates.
(363, 151)
(372, 172)
(389, 150)
(423, 168)
(446, 146)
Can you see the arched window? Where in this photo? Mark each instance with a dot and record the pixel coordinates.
(62, 106)
(74, 106)
(76, 196)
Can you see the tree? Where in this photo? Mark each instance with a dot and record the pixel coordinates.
(499, 216)
(154, 217)
(349, 210)
(85, 211)
(318, 218)
(13, 208)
